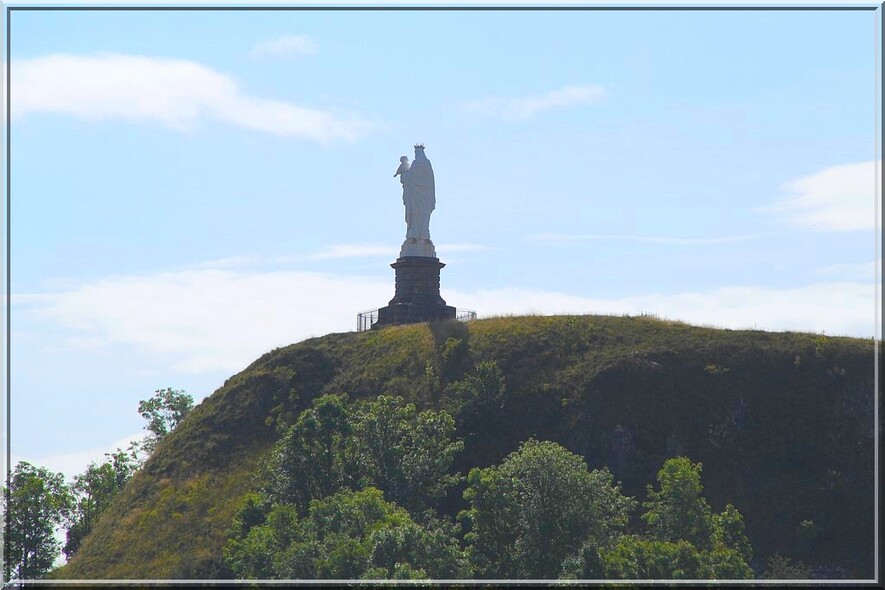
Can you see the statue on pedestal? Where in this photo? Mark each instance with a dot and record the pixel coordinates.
(416, 295)
(419, 198)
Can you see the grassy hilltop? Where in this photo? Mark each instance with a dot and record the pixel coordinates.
(782, 423)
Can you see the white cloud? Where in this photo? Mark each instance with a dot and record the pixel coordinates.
(659, 240)
(203, 320)
(836, 308)
(838, 198)
(195, 321)
(368, 250)
(526, 107)
(353, 251)
(173, 92)
(286, 46)
(334, 251)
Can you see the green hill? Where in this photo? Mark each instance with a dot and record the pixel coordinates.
(782, 422)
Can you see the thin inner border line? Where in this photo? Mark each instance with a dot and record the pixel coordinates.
(453, 8)
(8, 458)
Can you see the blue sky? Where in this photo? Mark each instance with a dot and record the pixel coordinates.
(193, 189)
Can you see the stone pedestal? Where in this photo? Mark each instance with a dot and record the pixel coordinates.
(417, 297)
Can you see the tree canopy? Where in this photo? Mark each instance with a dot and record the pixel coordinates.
(163, 411)
(352, 491)
(385, 443)
(349, 535)
(533, 510)
(35, 503)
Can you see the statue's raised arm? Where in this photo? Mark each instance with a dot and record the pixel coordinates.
(419, 198)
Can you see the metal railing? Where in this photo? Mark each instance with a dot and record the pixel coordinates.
(365, 320)
(465, 315)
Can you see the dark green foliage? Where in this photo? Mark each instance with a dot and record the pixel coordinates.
(539, 514)
(685, 539)
(35, 502)
(404, 453)
(641, 558)
(586, 564)
(93, 492)
(348, 535)
(638, 558)
(538, 507)
(311, 459)
(721, 563)
(253, 552)
(385, 443)
(252, 513)
(728, 532)
(677, 511)
(451, 340)
(478, 399)
(306, 523)
(163, 411)
(433, 546)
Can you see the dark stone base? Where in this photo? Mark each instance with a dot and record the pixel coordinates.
(405, 313)
(417, 297)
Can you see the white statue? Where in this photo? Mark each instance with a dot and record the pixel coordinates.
(419, 197)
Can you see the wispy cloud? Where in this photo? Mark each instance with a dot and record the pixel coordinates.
(196, 321)
(173, 92)
(203, 320)
(660, 240)
(330, 252)
(286, 46)
(353, 251)
(371, 250)
(836, 308)
(526, 107)
(838, 198)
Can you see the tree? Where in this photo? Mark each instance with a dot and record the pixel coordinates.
(538, 507)
(383, 443)
(478, 398)
(311, 458)
(728, 532)
(349, 535)
(405, 454)
(678, 511)
(35, 502)
(586, 564)
(418, 551)
(642, 558)
(721, 563)
(685, 539)
(163, 411)
(639, 558)
(93, 491)
(306, 522)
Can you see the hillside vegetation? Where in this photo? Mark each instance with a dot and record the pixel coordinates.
(782, 423)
